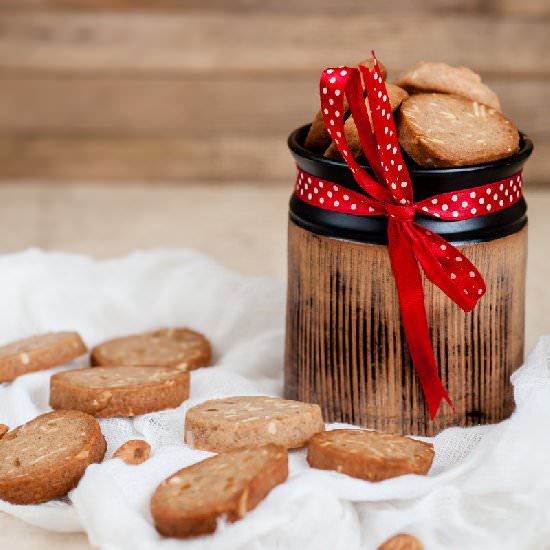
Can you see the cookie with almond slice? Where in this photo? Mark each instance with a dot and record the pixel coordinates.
(442, 78)
(369, 455)
(441, 130)
(39, 352)
(122, 391)
(190, 502)
(183, 348)
(221, 425)
(46, 457)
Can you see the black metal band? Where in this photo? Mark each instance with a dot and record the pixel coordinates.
(426, 183)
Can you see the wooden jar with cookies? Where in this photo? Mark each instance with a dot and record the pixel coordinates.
(407, 251)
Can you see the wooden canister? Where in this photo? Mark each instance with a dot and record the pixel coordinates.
(345, 346)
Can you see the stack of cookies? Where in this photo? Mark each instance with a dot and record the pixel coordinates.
(142, 373)
(445, 116)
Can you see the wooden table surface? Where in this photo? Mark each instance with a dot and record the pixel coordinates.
(242, 225)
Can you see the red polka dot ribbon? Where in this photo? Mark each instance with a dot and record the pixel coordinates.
(390, 194)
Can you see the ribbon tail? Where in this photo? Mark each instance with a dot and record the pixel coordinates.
(408, 280)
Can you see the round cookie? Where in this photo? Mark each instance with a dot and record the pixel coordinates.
(221, 425)
(318, 138)
(39, 352)
(135, 451)
(46, 457)
(190, 502)
(440, 130)
(442, 78)
(119, 391)
(167, 347)
(373, 456)
(396, 96)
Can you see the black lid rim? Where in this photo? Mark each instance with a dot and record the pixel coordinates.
(301, 153)
(426, 182)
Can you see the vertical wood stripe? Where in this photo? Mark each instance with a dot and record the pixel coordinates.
(345, 348)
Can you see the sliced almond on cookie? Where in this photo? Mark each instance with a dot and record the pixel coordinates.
(46, 457)
(226, 424)
(167, 347)
(3, 430)
(122, 391)
(190, 502)
(39, 352)
(441, 130)
(373, 456)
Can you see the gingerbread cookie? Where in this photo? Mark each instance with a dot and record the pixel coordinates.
(222, 425)
(39, 352)
(168, 347)
(373, 456)
(442, 78)
(46, 457)
(122, 391)
(135, 451)
(441, 130)
(191, 501)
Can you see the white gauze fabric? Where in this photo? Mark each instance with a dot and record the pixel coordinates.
(489, 486)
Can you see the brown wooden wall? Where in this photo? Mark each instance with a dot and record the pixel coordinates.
(207, 90)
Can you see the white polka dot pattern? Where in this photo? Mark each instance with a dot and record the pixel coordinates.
(470, 203)
(393, 167)
(330, 196)
(455, 206)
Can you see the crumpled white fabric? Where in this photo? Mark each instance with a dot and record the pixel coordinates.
(489, 486)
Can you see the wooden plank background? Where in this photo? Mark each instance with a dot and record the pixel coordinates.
(189, 90)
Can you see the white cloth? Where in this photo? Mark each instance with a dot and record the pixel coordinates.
(489, 486)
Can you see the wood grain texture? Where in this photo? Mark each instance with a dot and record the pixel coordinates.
(287, 6)
(526, 7)
(200, 106)
(134, 42)
(345, 348)
(186, 90)
(221, 158)
(218, 159)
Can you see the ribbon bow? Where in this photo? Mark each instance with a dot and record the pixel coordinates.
(390, 194)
